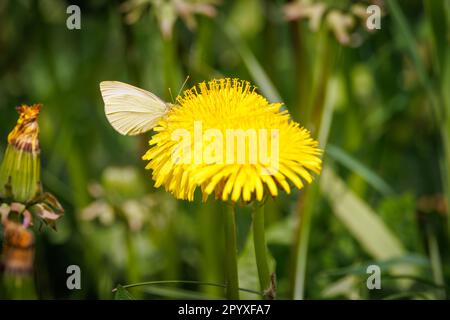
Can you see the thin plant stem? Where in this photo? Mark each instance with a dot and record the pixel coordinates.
(232, 289)
(306, 210)
(200, 283)
(259, 243)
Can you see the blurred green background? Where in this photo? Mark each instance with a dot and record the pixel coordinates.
(378, 102)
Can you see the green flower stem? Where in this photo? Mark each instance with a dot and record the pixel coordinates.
(211, 268)
(232, 289)
(18, 288)
(259, 242)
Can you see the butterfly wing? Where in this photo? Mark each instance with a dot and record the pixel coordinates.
(131, 110)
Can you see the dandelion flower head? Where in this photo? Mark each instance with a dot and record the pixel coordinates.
(228, 140)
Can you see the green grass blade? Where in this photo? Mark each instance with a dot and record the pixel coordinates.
(359, 168)
(177, 293)
(361, 220)
(254, 67)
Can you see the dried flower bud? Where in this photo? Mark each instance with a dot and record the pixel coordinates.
(18, 249)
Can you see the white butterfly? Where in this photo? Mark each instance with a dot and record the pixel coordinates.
(131, 110)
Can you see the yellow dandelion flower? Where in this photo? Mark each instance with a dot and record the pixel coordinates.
(229, 140)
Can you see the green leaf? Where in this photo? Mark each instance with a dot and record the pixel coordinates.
(411, 295)
(362, 221)
(177, 293)
(248, 273)
(122, 294)
(361, 268)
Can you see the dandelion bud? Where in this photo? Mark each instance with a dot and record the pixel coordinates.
(20, 169)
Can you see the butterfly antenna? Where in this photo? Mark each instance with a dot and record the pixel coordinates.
(171, 96)
(184, 83)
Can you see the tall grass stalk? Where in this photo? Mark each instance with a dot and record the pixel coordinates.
(319, 114)
(436, 262)
(305, 210)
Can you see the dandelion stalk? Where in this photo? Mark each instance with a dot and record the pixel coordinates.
(232, 289)
(259, 242)
(211, 261)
